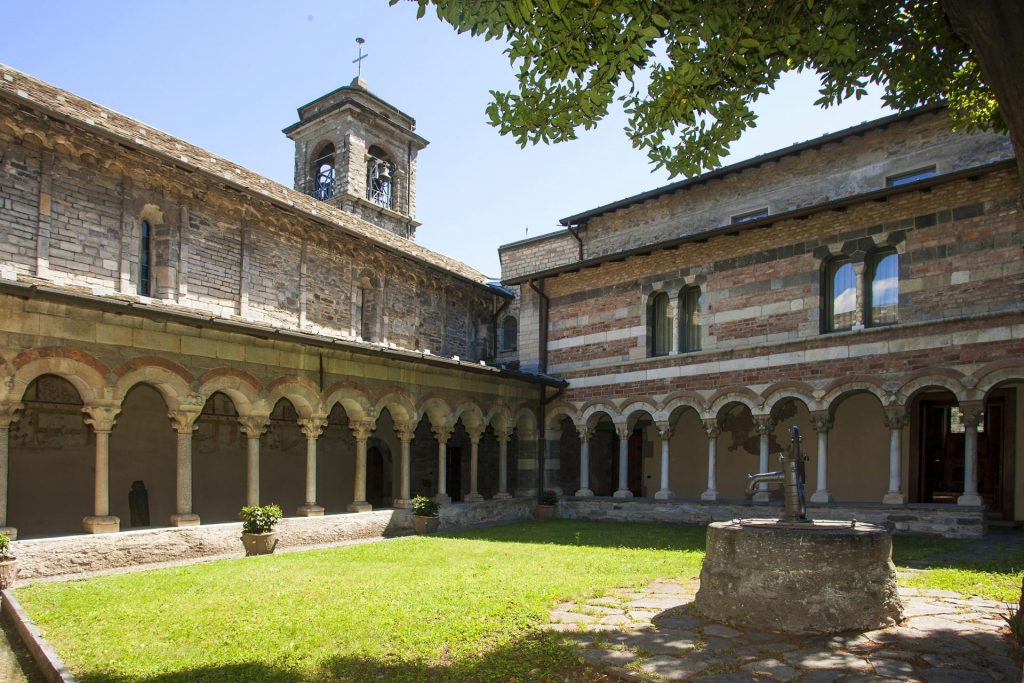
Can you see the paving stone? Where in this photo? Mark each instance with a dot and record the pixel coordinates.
(606, 600)
(820, 676)
(572, 618)
(600, 610)
(643, 615)
(916, 608)
(834, 661)
(937, 593)
(955, 676)
(715, 644)
(559, 627)
(616, 620)
(619, 657)
(666, 587)
(677, 621)
(933, 623)
(773, 668)
(721, 631)
(894, 654)
(661, 643)
(894, 668)
(674, 669)
(658, 603)
(734, 677)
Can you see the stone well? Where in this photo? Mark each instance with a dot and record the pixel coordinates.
(815, 577)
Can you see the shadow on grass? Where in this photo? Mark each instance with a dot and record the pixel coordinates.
(629, 535)
(1000, 554)
(538, 657)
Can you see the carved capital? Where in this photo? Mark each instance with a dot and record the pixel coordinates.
(9, 413)
(586, 433)
(623, 431)
(763, 424)
(664, 430)
(362, 429)
(821, 421)
(254, 426)
(405, 432)
(712, 428)
(101, 416)
(313, 426)
(895, 417)
(972, 413)
(442, 432)
(503, 435)
(184, 418)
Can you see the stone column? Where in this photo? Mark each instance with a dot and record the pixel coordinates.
(405, 436)
(553, 460)
(442, 434)
(665, 433)
(973, 412)
(101, 418)
(312, 427)
(8, 416)
(623, 491)
(858, 316)
(361, 430)
(184, 422)
(712, 429)
(763, 424)
(821, 422)
(527, 463)
(895, 420)
(253, 426)
(585, 434)
(503, 437)
(474, 453)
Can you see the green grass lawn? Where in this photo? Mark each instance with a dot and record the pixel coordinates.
(455, 607)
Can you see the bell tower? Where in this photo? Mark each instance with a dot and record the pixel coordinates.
(358, 153)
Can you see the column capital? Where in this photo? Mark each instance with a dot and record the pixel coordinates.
(664, 429)
(475, 433)
(313, 426)
(362, 429)
(712, 428)
(442, 432)
(254, 426)
(763, 424)
(821, 421)
(503, 435)
(9, 412)
(184, 418)
(972, 412)
(405, 431)
(101, 416)
(896, 417)
(623, 431)
(586, 433)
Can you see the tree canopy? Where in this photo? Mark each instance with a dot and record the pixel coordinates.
(688, 72)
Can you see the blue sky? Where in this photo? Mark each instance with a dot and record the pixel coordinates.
(229, 75)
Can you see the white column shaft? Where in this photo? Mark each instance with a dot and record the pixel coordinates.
(5, 459)
(970, 460)
(762, 459)
(184, 462)
(252, 472)
(712, 462)
(584, 465)
(664, 464)
(503, 466)
(101, 488)
(623, 463)
(442, 468)
(822, 461)
(404, 473)
(359, 488)
(894, 461)
(474, 454)
(310, 471)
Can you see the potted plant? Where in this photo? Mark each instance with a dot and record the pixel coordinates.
(8, 563)
(258, 535)
(424, 515)
(547, 504)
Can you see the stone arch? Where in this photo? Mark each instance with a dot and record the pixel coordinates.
(352, 398)
(241, 388)
(681, 400)
(399, 404)
(301, 393)
(170, 379)
(590, 413)
(640, 405)
(499, 418)
(470, 414)
(994, 374)
(438, 411)
(948, 380)
(525, 420)
(554, 414)
(728, 397)
(782, 391)
(81, 370)
(842, 388)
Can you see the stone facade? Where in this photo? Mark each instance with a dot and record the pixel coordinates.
(643, 420)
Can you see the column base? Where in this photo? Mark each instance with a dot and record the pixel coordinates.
(473, 497)
(185, 520)
(107, 524)
(664, 494)
(584, 493)
(359, 506)
(502, 495)
(310, 511)
(10, 532)
(970, 499)
(762, 498)
(623, 493)
(442, 499)
(821, 496)
(709, 495)
(402, 503)
(894, 498)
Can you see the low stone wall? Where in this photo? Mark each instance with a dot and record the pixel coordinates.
(80, 554)
(949, 521)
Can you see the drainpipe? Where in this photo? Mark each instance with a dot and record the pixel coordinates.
(574, 230)
(542, 367)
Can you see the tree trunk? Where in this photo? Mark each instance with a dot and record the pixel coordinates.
(995, 31)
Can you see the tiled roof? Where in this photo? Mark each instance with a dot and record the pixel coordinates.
(37, 94)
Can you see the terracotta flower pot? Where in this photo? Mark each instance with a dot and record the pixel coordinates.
(259, 544)
(8, 572)
(425, 525)
(546, 511)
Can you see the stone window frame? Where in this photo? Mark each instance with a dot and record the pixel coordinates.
(686, 297)
(162, 251)
(873, 259)
(373, 161)
(912, 176)
(747, 216)
(315, 166)
(659, 323)
(509, 342)
(859, 253)
(367, 311)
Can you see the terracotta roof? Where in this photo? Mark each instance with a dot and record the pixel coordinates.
(22, 88)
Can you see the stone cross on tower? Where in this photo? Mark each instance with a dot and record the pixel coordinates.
(359, 60)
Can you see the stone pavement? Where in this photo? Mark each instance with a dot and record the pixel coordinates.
(655, 635)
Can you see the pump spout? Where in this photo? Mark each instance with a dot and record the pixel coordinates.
(768, 477)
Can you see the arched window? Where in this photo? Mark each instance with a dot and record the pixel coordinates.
(658, 331)
(379, 172)
(840, 295)
(691, 304)
(509, 334)
(323, 173)
(366, 308)
(145, 259)
(883, 287)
